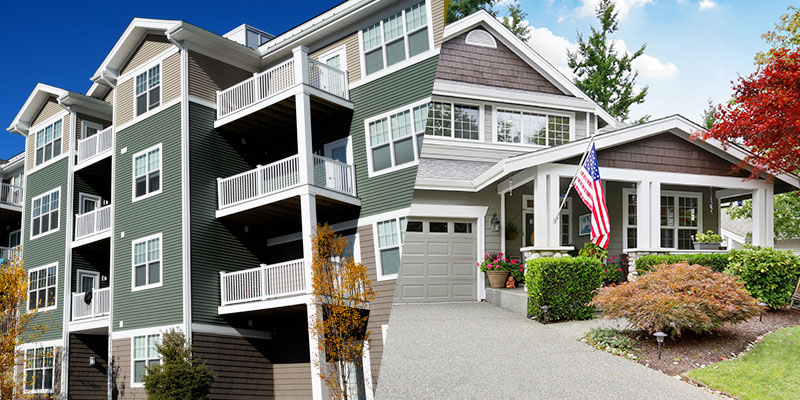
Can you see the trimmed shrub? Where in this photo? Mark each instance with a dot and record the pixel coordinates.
(678, 297)
(769, 274)
(566, 284)
(717, 262)
(181, 376)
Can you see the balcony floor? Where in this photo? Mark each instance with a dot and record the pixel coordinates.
(91, 326)
(288, 302)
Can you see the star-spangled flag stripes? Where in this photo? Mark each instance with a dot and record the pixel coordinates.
(590, 188)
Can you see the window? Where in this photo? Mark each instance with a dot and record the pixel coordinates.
(479, 37)
(630, 218)
(532, 128)
(147, 173)
(462, 227)
(680, 219)
(390, 235)
(39, 364)
(454, 120)
(566, 223)
(145, 354)
(414, 226)
(90, 129)
(254, 38)
(148, 90)
(42, 284)
(45, 213)
(48, 142)
(396, 38)
(437, 227)
(147, 262)
(396, 139)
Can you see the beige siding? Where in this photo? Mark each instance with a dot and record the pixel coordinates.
(437, 9)
(109, 98)
(49, 109)
(171, 85)
(151, 46)
(30, 148)
(292, 381)
(79, 125)
(207, 75)
(121, 354)
(381, 306)
(351, 54)
(125, 102)
(67, 135)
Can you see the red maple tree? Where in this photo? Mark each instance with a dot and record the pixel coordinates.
(764, 115)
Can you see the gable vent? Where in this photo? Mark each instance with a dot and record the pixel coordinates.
(479, 37)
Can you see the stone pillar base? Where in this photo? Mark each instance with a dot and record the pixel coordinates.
(541, 252)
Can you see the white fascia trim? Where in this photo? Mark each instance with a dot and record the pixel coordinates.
(91, 239)
(444, 185)
(203, 102)
(525, 52)
(89, 324)
(139, 27)
(23, 127)
(403, 212)
(127, 334)
(421, 210)
(230, 331)
(510, 96)
(44, 343)
(264, 304)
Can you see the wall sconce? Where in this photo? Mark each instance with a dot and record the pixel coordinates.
(92, 361)
(495, 223)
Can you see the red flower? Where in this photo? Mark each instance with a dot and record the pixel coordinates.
(620, 270)
(606, 271)
(613, 258)
(520, 269)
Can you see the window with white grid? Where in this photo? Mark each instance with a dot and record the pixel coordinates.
(42, 288)
(145, 355)
(395, 139)
(390, 236)
(39, 374)
(48, 142)
(147, 262)
(395, 38)
(45, 213)
(532, 128)
(148, 89)
(147, 172)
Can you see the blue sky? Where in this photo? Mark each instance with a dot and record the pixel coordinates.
(694, 47)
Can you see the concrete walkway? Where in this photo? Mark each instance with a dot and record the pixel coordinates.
(479, 351)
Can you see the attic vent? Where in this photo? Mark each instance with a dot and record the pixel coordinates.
(479, 37)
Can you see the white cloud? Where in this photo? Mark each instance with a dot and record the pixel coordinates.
(707, 5)
(560, 20)
(648, 66)
(623, 7)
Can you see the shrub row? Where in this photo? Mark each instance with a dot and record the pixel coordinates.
(717, 262)
(564, 284)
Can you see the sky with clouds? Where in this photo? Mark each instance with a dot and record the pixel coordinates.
(695, 48)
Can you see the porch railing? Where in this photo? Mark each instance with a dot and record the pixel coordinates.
(11, 194)
(93, 222)
(280, 175)
(10, 253)
(334, 175)
(261, 86)
(263, 283)
(95, 145)
(323, 76)
(97, 307)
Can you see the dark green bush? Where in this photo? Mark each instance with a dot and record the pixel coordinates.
(182, 376)
(717, 262)
(566, 284)
(768, 274)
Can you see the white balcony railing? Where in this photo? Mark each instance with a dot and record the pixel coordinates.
(263, 283)
(10, 253)
(258, 182)
(334, 175)
(322, 76)
(261, 86)
(11, 194)
(97, 307)
(95, 145)
(93, 222)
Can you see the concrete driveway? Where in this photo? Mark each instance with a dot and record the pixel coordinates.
(479, 351)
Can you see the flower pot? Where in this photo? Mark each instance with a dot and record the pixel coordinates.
(707, 245)
(497, 279)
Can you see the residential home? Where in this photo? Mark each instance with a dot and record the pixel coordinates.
(12, 194)
(506, 136)
(182, 189)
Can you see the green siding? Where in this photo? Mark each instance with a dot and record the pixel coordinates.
(393, 190)
(157, 214)
(215, 246)
(50, 248)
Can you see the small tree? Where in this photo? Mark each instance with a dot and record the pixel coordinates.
(182, 376)
(458, 9)
(342, 288)
(709, 115)
(516, 22)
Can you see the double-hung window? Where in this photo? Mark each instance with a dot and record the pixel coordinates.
(680, 219)
(48, 142)
(42, 288)
(45, 213)
(145, 354)
(631, 210)
(147, 262)
(396, 38)
(454, 120)
(148, 89)
(532, 128)
(147, 172)
(39, 364)
(390, 235)
(396, 139)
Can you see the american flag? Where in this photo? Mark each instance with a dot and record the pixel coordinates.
(590, 188)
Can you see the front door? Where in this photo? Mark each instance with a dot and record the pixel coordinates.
(88, 203)
(335, 175)
(88, 280)
(14, 239)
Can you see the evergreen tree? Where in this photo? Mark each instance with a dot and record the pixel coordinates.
(182, 376)
(708, 116)
(600, 72)
(516, 22)
(461, 8)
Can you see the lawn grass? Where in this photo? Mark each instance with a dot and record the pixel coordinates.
(769, 371)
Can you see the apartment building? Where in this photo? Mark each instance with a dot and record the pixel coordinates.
(12, 195)
(181, 191)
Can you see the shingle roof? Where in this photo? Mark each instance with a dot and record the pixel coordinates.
(451, 169)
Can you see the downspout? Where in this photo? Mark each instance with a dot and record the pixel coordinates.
(185, 224)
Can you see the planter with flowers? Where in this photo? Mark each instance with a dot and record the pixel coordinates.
(497, 269)
(707, 241)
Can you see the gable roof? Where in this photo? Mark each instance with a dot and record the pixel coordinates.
(41, 93)
(528, 54)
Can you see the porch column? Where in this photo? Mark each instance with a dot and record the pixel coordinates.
(642, 214)
(655, 215)
(308, 212)
(553, 210)
(304, 148)
(503, 223)
(540, 215)
(763, 221)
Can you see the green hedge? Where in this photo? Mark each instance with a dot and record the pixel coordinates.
(566, 284)
(717, 262)
(768, 274)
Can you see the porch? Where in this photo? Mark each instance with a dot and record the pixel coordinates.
(93, 225)
(90, 312)
(95, 148)
(11, 196)
(267, 286)
(89, 282)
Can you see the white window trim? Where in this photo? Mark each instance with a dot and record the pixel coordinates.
(496, 107)
(677, 227)
(160, 283)
(40, 129)
(378, 263)
(86, 124)
(348, 141)
(135, 384)
(85, 272)
(481, 121)
(340, 51)
(25, 370)
(160, 64)
(526, 209)
(60, 202)
(55, 288)
(566, 211)
(160, 169)
(19, 235)
(625, 225)
(387, 115)
(86, 196)
(493, 45)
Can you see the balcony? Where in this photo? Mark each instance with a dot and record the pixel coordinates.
(274, 182)
(91, 315)
(10, 253)
(11, 196)
(95, 147)
(92, 226)
(268, 286)
(278, 83)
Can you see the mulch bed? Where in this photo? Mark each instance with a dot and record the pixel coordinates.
(692, 351)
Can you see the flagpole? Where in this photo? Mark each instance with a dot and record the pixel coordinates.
(580, 165)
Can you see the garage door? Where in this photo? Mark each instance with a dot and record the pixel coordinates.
(438, 261)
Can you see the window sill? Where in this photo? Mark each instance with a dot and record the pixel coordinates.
(386, 277)
(145, 287)
(46, 233)
(51, 308)
(145, 196)
(47, 163)
(396, 168)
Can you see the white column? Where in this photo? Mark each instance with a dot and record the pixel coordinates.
(763, 218)
(318, 389)
(503, 223)
(304, 147)
(655, 215)
(553, 211)
(540, 217)
(300, 54)
(769, 216)
(643, 221)
(308, 212)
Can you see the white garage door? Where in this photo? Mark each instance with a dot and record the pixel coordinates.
(438, 261)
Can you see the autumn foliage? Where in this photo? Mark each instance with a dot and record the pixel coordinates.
(343, 291)
(678, 297)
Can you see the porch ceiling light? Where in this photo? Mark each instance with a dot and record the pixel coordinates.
(495, 223)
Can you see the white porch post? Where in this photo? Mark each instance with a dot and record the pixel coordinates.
(643, 221)
(540, 213)
(655, 215)
(553, 210)
(763, 221)
(304, 147)
(308, 212)
(503, 223)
